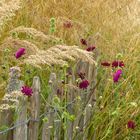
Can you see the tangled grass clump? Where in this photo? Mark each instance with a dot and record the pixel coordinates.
(8, 10)
(72, 39)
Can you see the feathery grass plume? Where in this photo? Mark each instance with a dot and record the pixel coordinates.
(7, 10)
(59, 55)
(10, 101)
(14, 44)
(2, 90)
(34, 34)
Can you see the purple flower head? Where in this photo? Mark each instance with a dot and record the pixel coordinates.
(117, 64)
(81, 75)
(117, 75)
(67, 24)
(84, 84)
(131, 124)
(106, 64)
(83, 42)
(60, 92)
(90, 48)
(20, 52)
(27, 91)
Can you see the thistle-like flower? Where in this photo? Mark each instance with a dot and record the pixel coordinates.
(83, 42)
(84, 84)
(106, 64)
(20, 52)
(117, 75)
(131, 124)
(90, 48)
(27, 91)
(117, 64)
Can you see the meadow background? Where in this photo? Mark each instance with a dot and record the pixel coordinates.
(113, 26)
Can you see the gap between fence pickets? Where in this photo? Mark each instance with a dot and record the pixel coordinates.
(48, 125)
(52, 128)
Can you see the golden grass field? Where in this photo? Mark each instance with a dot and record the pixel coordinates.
(113, 26)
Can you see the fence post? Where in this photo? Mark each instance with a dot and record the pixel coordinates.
(6, 116)
(85, 112)
(47, 126)
(34, 110)
(6, 119)
(21, 110)
(70, 108)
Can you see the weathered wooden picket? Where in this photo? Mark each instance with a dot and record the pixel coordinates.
(29, 119)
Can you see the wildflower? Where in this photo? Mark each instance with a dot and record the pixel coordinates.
(81, 75)
(100, 97)
(20, 52)
(119, 55)
(83, 42)
(117, 75)
(90, 48)
(15, 72)
(3, 67)
(107, 64)
(28, 71)
(89, 105)
(77, 127)
(60, 92)
(27, 91)
(67, 24)
(52, 20)
(69, 72)
(84, 84)
(131, 124)
(133, 104)
(117, 64)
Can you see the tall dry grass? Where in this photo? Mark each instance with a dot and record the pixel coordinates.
(114, 26)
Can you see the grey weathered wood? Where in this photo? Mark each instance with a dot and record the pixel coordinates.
(6, 116)
(57, 128)
(34, 110)
(79, 122)
(6, 119)
(14, 84)
(21, 113)
(21, 131)
(47, 126)
(70, 108)
(86, 107)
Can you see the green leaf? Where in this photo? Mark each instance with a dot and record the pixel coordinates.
(3, 127)
(45, 119)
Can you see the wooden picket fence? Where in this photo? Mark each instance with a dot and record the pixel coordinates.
(28, 124)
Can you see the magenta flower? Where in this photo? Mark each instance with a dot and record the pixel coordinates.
(117, 75)
(117, 64)
(84, 84)
(90, 48)
(27, 91)
(106, 64)
(83, 42)
(20, 52)
(81, 75)
(131, 124)
(60, 92)
(67, 24)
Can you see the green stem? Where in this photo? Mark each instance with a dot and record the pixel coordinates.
(65, 93)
